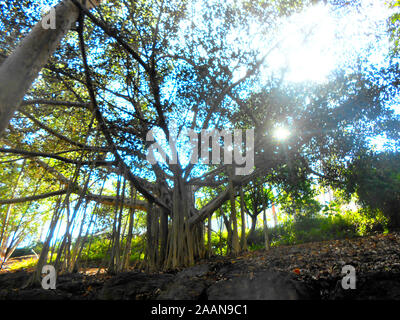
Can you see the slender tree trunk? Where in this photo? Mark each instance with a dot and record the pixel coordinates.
(78, 244)
(46, 245)
(235, 235)
(82, 242)
(112, 266)
(253, 226)
(151, 252)
(209, 244)
(253, 223)
(251, 236)
(265, 222)
(128, 244)
(4, 233)
(220, 231)
(163, 234)
(266, 239)
(118, 235)
(243, 242)
(228, 227)
(12, 249)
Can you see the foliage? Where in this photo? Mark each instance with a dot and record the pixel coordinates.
(23, 264)
(219, 243)
(320, 228)
(394, 26)
(300, 202)
(367, 221)
(100, 246)
(20, 220)
(376, 180)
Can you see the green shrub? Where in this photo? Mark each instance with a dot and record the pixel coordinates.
(219, 244)
(321, 227)
(23, 264)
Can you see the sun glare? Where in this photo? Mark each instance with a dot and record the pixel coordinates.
(281, 133)
(314, 42)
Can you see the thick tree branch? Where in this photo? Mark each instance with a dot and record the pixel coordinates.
(34, 198)
(54, 103)
(54, 156)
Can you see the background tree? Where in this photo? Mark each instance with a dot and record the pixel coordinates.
(375, 177)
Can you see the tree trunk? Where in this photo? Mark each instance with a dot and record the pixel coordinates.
(251, 236)
(152, 237)
(253, 226)
(163, 234)
(235, 236)
(185, 243)
(266, 239)
(36, 276)
(229, 231)
(4, 236)
(112, 265)
(220, 234)
(209, 244)
(243, 242)
(128, 244)
(22, 67)
(265, 222)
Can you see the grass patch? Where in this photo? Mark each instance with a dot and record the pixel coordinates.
(22, 264)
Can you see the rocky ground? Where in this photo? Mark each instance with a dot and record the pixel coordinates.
(306, 271)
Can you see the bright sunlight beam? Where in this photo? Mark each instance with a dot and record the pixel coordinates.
(281, 133)
(314, 42)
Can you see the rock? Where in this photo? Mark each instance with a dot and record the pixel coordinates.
(184, 289)
(14, 279)
(187, 284)
(134, 286)
(266, 285)
(228, 269)
(74, 286)
(371, 286)
(195, 271)
(35, 294)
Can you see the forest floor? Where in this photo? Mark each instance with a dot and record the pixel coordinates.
(304, 271)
